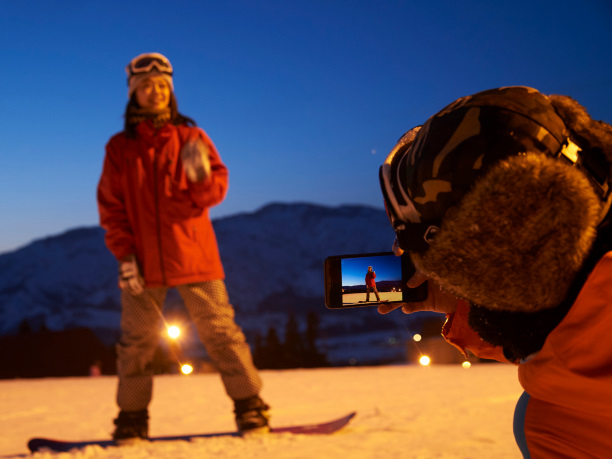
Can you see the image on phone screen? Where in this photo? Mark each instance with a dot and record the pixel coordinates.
(375, 278)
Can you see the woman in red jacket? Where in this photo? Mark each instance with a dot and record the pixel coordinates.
(160, 176)
(370, 281)
(502, 200)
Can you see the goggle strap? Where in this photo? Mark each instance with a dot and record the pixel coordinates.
(414, 237)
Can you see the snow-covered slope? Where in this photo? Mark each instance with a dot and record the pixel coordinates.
(404, 412)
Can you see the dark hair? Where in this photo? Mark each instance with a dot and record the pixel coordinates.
(176, 117)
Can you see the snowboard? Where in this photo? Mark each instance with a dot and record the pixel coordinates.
(324, 428)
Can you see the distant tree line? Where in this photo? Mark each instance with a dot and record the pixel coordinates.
(40, 352)
(47, 353)
(296, 351)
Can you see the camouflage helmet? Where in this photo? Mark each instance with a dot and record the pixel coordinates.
(433, 166)
(498, 199)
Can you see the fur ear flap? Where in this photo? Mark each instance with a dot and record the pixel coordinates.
(518, 238)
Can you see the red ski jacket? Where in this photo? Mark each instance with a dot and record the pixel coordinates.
(569, 381)
(369, 279)
(149, 208)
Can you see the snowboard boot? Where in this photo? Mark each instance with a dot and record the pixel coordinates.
(251, 415)
(131, 426)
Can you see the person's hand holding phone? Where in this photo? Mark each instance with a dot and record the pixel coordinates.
(436, 301)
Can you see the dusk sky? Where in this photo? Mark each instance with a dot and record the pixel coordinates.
(302, 99)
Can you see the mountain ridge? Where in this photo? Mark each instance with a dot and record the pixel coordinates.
(273, 260)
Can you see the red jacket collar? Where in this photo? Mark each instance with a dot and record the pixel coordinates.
(147, 130)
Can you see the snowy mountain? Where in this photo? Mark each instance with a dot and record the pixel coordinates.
(273, 260)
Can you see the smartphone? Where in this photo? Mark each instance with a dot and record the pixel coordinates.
(345, 280)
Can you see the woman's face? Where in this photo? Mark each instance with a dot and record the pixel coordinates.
(153, 93)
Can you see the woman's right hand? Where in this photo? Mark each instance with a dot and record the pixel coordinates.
(130, 278)
(436, 301)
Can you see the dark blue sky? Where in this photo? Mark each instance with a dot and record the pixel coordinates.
(303, 100)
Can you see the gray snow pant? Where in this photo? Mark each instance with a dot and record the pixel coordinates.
(213, 316)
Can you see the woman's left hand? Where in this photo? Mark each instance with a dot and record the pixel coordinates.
(196, 163)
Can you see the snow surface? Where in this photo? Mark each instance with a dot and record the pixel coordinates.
(405, 411)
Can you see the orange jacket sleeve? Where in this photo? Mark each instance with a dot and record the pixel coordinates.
(112, 207)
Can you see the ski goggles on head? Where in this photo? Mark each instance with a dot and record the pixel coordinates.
(412, 234)
(145, 63)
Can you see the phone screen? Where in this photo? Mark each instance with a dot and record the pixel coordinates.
(373, 278)
(368, 279)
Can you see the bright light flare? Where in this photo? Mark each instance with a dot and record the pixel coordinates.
(174, 332)
(424, 360)
(187, 369)
(417, 337)
(466, 364)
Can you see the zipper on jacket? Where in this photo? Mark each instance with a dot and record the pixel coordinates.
(157, 215)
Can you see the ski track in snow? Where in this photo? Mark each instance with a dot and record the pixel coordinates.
(404, 411)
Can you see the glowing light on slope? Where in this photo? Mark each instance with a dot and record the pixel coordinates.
(187, 369)
(424, 360)
(466, 364)
(174, 332)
